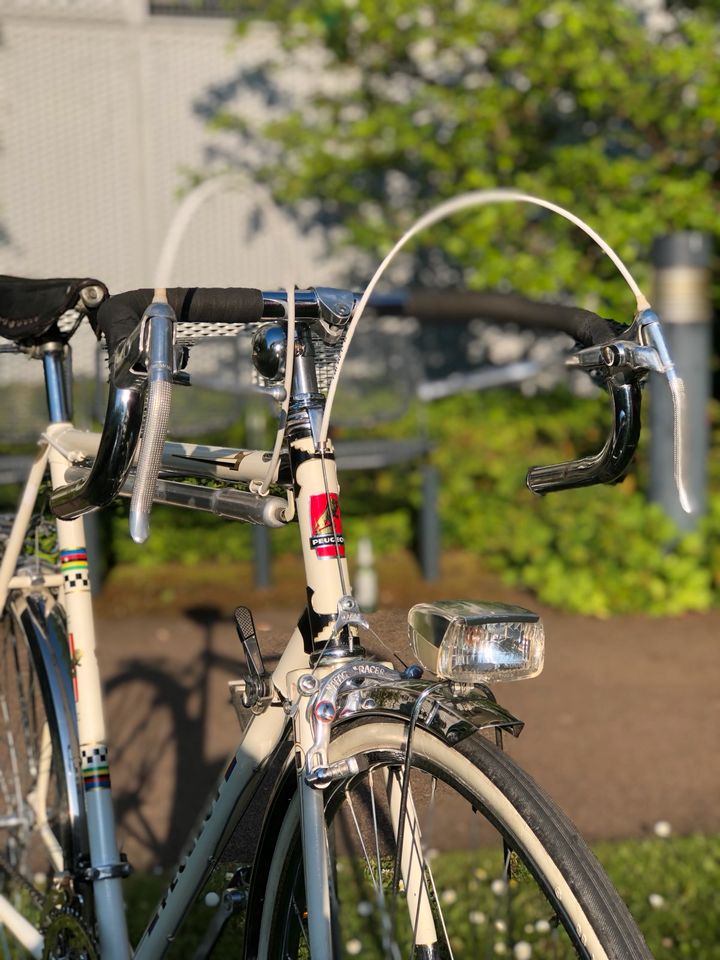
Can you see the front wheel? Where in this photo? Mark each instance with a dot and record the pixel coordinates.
(487, 866)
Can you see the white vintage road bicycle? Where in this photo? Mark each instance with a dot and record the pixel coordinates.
(397, 826)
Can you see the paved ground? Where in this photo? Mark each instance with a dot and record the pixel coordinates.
(621, 728)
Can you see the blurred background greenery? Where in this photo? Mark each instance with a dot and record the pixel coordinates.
(610, 109)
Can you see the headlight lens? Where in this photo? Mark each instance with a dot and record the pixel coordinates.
(474, 642)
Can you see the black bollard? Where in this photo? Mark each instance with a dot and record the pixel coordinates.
(682, 301)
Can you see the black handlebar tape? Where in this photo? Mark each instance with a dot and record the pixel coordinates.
(118, 316)
(583, 325)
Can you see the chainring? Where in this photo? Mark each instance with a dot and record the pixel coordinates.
(68, 938)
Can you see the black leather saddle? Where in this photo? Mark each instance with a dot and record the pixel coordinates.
(29, 309)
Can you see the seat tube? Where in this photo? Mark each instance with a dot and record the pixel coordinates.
(59, 399)
(106, 868)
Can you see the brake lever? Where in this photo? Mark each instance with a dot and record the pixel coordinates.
(652, 334)
(644, 349)
(157, 333)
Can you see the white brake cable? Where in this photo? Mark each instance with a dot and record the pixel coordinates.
(262, 487)
(184, 214)
(466, 201)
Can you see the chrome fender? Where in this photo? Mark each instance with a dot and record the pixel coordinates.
(452, 711)
(46, 631)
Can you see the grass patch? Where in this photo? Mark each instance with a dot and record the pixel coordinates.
(669, 884)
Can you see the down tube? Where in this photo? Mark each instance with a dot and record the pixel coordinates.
(234, 792)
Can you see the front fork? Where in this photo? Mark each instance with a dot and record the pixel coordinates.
(319, 880)
(314, 711)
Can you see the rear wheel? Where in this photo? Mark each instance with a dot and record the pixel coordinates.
(35, 820)
(489, 866)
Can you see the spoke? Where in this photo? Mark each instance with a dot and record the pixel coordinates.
(371, 872)
(379, 888)
(23, 699)
(387, 920)
(299, 918)
(12, 753)
(4, 787)
(439, 908)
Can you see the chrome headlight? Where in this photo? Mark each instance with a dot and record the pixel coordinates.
(475, 642)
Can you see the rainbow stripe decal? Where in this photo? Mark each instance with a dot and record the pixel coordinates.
(95, 769)
(74, 565)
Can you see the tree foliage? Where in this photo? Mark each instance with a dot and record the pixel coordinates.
(608, 108)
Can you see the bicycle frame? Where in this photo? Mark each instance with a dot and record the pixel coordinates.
(318, 634)
(235, 788)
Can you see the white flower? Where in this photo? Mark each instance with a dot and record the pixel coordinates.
(662, 829)
(354, 947)
(423, 51)
(448, 896)
(522, 950)
(549, 19)
(498, 887)
(477, 917)
(364, 908)
(425, 17)
(542, 926)
(656, 900)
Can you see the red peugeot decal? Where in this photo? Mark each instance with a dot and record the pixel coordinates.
(326, 536)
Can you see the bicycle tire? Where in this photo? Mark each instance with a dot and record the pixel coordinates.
(39, 795)
(542, 895)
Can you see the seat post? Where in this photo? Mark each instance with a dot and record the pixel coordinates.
(57, 388)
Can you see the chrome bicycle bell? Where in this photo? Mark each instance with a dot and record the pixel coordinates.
(269, 350)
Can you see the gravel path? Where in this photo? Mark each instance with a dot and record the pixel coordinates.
(621, 727)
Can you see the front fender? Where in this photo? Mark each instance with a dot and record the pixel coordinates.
(451, 711)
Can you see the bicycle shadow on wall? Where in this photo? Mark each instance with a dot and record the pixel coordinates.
(164, 717)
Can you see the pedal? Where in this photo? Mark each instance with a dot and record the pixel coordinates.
(256, 691)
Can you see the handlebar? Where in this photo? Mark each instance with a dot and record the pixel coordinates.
(140, 338)
(611, 463)
(144, 361)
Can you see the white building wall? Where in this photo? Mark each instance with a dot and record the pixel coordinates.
(99, 126)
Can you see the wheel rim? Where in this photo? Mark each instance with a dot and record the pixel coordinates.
(483, 899)
(30, 798)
